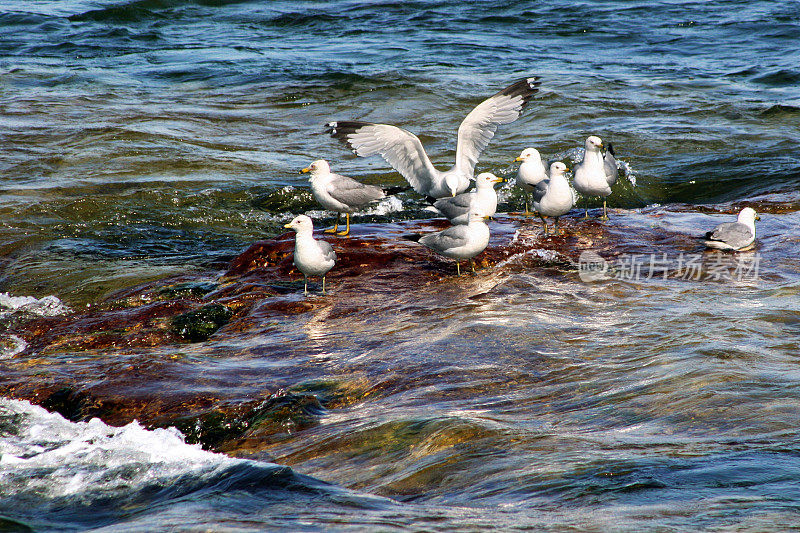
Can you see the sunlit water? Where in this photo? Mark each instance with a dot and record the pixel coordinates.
(152, 138)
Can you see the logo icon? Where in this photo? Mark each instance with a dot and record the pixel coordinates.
(592, 267)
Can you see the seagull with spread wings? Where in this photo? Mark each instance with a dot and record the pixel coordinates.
(404, 152)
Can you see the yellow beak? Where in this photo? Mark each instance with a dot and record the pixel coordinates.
(518, 159)
(307, 169)
(287, 225)
(758, 217)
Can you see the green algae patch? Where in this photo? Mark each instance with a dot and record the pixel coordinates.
(251, 427)
(334, 394)
(199, 324)
(189, 290)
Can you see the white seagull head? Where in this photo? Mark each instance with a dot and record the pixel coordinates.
(593, 143)
(317, 168)
(528, 153)
(557, 168)
(301, 224)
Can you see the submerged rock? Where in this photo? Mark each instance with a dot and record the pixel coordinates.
(199, 324)
(127, 357)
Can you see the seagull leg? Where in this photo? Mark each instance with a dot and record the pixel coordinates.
(585, 208)
(527, 212)
(472, 264)
(558, 231)
(335, 226)
(458, 268)
(605, 215)
(347, 230)
(323, 284)
(544, 221)
(305, 289)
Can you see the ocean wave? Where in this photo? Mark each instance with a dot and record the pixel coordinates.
(11, 345)
(47, 306)
(55, 473)
(140, 10)
(779, 78)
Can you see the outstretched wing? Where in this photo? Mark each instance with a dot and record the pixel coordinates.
(353, 193)
(478, 128)
(610, 165)
(400, 148)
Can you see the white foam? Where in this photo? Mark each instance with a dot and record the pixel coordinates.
(11, 345)
(46, 455)
(390, 204)
(47, 306)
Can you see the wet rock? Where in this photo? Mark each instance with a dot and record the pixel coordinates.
(263, 254)
(254, 423)
(72, 404)
(6, 524)
(199, 324)
(99, 361)
(212, 428)
(187, 290)
(285, 412)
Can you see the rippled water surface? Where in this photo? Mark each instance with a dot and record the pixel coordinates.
(148, 139)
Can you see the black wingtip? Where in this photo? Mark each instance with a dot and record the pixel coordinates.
(415, 237)
(340, 129)
(610, 149)
(525, 88)
(431, 200)
(522, 87)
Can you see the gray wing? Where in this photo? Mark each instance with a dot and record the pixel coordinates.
(452, 237)
(400, 148)
(610, 165)
(353, 193)
(478, 128)
(455, 206)
(731, 233)
(327, 250)
(540, 190)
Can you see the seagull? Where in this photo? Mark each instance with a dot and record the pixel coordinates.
(340, 193)
(595, 175)
(404, 152)
(553, 196)
(483, 198)
(530, 172)
(737, 235)
(311, 257)
(458, 242)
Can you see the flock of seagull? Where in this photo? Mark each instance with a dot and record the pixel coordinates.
(447, 191)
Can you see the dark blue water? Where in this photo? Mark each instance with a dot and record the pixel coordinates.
(140, 139)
